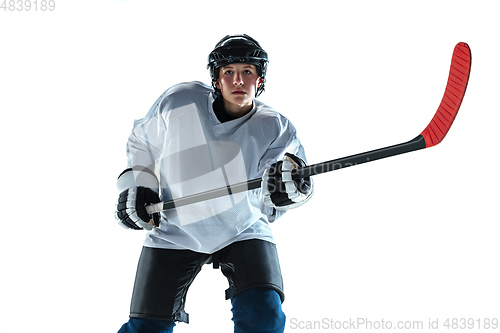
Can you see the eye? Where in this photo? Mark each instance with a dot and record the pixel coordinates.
(247, 71)
(228, 72)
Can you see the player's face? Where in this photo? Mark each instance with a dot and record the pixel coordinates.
(238, 84)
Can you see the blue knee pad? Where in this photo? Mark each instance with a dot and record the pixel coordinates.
(258, 310)
(143, 325)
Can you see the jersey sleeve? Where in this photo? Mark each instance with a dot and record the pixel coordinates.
(145, 143)
(284, 139)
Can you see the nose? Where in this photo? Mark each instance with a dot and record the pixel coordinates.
(238, 79)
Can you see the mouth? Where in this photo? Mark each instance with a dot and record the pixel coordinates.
(238, 92)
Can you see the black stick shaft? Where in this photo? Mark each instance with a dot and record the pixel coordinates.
(212, 194)
(369, 156)
(311, 170)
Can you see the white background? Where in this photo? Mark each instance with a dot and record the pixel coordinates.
(412, 237)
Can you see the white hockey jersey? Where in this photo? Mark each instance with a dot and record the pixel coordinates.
(191, 151)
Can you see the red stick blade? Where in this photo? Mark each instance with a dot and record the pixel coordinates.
(440, 124)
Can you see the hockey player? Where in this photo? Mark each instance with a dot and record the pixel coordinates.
(196, 138)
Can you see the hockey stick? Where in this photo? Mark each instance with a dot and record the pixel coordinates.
(432, 135)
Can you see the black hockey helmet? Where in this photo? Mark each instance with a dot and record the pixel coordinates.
(237, 49)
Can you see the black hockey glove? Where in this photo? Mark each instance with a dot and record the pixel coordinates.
(131, 206)
(282, 187)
